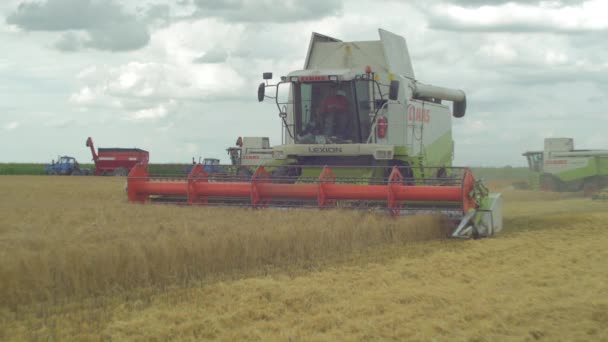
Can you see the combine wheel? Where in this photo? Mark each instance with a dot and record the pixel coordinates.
(475, 233)
(591, 186)
(244, 174)
(407, 172)
(442, 173)
(280, 175)
(549, 183)
(404, 168)
(443, 178)
(285, 175)
(218, 176)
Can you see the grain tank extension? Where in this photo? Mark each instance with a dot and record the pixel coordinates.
(358, 132)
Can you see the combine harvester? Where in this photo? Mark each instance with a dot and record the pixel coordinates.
(359, 132)
(562, 168)
(250, 151)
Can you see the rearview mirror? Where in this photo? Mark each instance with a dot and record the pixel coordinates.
(393, 90)
(267, 75)
(261, 92)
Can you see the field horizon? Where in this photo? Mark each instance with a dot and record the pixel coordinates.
(33, 169)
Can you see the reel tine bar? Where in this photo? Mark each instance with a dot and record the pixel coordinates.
(261, 189)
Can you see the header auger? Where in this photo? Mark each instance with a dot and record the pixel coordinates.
(359, 132)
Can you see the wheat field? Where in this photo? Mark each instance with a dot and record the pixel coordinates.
(77, 262)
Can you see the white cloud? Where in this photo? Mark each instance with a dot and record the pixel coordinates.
(152, 90)
(127, 79)
(499, 50)
(83, 97)
(556, 58)
(152, 80)
(477, 126)
(593, 141)
(166, 127)
(269, 10)
(589, 16)
(154, 113)
(11, 125)
(212, 56)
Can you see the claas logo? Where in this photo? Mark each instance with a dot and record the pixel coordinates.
(415, 114)
(556, 162)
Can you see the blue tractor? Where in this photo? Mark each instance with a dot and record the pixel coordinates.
(210, 165)
(65, 166)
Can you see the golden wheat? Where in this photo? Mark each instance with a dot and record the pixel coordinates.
(78, 236)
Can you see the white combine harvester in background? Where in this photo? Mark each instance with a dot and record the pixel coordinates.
(250, 151)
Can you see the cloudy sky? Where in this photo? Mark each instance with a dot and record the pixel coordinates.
(179, 78)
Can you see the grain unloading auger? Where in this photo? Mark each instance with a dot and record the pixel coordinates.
(359, 131)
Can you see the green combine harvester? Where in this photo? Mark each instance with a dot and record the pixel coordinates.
(360, 132)
(561, 168)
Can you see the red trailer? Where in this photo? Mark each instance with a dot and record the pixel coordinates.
(116, 161)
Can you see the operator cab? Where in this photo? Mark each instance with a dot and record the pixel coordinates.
(332, 112)
(332, 106)
(535, 160)
(211, 161)
(66, 160)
